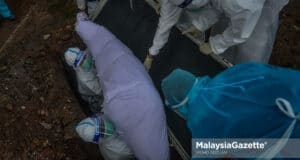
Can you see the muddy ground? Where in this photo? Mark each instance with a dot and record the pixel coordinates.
(286, 51)
(38, 110)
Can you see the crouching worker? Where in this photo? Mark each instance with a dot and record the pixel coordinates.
(96, 128)
(131, 102)
(87, 82)
(246, 101)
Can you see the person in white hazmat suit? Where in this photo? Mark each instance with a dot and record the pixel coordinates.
(251, 30)
(90, 5)
(96, 128)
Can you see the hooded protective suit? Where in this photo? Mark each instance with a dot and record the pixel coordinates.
(249, 100)
(131, 101)
(252, 25)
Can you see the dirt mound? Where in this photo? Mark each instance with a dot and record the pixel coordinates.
(38, 111)
(287, 47)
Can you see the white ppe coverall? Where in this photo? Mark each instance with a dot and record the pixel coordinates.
(251, 29)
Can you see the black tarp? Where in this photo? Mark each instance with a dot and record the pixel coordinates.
(136, 28)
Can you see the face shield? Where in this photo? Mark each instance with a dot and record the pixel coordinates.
(95, 128)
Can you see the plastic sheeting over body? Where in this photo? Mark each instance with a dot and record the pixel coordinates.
(136, 29)
(131, 101)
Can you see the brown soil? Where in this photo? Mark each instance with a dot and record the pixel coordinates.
(7, 27)
(287, 47)
(38, 110)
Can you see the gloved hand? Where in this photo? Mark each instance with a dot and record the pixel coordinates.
(191, 30)
(148, 61)
(82, 16)
(205, 49)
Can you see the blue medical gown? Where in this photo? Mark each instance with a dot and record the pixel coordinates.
(240, 103)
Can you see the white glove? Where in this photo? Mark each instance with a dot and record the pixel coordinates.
(148, 62)
(206, 49)
(192, 30)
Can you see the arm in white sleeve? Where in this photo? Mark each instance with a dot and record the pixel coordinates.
(81, 4)
(206, 18)
(242, 23)
(169, 16)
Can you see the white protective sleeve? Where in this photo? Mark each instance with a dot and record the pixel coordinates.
(206, 18)
(243, 15)
(81, 4)
(169, 16)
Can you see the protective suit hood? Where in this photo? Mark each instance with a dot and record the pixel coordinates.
(176, 88)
